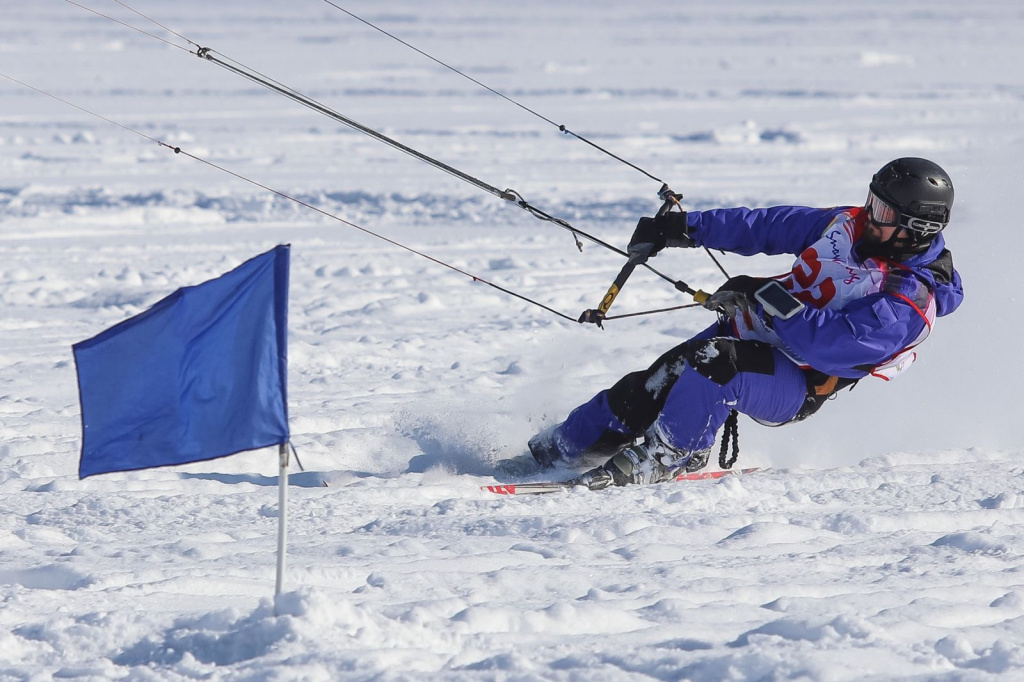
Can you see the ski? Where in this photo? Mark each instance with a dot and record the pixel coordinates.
(529, 488)
(544, 487)
(705, 475)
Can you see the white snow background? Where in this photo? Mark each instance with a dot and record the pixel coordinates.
(882, 542)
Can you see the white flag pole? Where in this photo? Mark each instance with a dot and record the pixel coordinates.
(282, 516)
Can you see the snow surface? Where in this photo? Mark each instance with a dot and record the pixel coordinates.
(884, 540)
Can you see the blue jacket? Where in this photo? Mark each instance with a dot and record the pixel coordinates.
(867, 330)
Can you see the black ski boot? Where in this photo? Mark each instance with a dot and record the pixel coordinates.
(652, 462)
(698, 460)
(632, 464)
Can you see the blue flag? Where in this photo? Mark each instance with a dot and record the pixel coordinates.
(200, 375)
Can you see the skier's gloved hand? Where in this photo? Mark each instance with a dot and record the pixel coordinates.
(736, 295)
(654, 234)
(729, 303)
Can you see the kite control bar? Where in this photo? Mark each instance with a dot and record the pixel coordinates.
(638, 255)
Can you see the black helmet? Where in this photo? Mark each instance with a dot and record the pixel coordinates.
(920, 196)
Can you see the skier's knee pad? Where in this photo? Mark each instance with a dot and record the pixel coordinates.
(720, 359)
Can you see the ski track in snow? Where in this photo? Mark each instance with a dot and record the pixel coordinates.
(881, 542)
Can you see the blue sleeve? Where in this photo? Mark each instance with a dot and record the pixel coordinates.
(864, 333)
(746, 231)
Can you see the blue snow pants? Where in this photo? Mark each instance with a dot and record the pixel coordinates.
(686, 396)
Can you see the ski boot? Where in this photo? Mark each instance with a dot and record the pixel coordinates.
(698, 460)
(632, 464)
(652, 462)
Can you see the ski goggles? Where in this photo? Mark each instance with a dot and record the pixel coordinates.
(885, 214)
(880, 212)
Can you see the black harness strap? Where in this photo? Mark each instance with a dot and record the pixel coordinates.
(730, 432)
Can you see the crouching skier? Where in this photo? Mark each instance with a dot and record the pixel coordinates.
(864, 291)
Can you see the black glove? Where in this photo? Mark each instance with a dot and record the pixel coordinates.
(736, 295)
(654, 234)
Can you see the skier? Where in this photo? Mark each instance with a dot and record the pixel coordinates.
(864, 291)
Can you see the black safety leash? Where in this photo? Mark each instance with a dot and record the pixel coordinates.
(730, 433)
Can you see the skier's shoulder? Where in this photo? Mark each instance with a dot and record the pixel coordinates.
(941, 268)
(930, 274)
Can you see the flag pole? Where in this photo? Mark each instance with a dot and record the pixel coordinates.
(282, 515)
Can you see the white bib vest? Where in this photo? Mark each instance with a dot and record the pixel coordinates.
(827, 275)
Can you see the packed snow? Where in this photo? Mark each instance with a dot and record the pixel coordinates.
(880, 540)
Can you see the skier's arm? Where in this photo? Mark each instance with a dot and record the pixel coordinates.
(863, 334)
(746, 231)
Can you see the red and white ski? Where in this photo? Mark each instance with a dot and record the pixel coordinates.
(554, 486)
(704, 475)
(529, 488)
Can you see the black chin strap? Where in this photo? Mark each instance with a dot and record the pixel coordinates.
(892, 249)
(902, 245)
